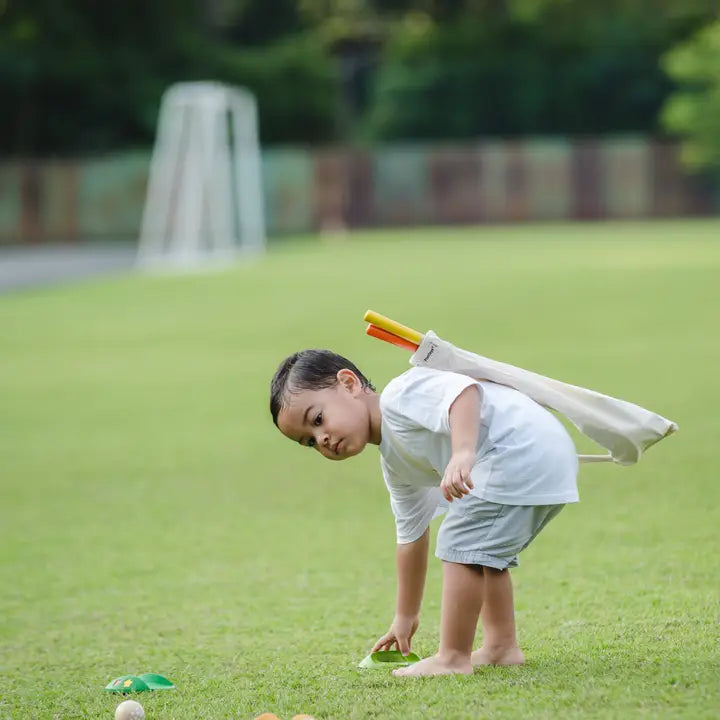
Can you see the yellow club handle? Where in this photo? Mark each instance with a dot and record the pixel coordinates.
(395, 328)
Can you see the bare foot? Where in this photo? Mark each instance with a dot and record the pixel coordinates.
(435, 665)
(498, 656)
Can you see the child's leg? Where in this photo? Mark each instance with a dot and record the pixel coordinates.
(500, 646)
(517, 529)
(474, 533)
(461, 602)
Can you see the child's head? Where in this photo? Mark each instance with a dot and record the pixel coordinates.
(320, 399)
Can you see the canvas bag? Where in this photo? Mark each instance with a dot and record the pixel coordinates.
(626, 430)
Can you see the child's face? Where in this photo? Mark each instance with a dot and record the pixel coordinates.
(335, 420)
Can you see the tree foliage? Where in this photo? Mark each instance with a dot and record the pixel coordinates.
(83, 76)
(693, 111)
(532, 66)
(80, 76)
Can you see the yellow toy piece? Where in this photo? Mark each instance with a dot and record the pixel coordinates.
(385, 323)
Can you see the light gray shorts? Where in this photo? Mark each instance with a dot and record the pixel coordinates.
(479, 532)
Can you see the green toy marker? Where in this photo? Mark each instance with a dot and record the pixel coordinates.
(139, 683)
(383, 659)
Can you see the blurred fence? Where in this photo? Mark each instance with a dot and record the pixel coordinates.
(330, 189)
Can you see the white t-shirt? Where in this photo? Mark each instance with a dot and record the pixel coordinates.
(524, 454)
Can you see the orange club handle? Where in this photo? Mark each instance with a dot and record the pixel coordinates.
(387, 336)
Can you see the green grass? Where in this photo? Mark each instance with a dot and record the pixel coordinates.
(153, 519)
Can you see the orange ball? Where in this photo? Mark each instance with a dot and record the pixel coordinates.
(267, 716)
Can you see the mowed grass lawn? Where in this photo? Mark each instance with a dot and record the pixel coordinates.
(153, 519)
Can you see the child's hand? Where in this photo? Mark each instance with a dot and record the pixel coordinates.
(457, 482)
(402, 629)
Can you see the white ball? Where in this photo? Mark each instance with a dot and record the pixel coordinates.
(129, 710)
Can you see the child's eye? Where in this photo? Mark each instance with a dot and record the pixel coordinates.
(318, 419)
(311, 442)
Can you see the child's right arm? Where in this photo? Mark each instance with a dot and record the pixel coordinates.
(411, 571)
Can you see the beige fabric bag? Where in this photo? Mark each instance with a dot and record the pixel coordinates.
(624, 429)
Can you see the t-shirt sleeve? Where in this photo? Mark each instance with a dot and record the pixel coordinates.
(428, 397)
(413, 507)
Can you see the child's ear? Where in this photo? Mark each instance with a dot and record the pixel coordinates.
(348, 379)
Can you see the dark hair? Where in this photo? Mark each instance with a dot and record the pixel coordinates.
(308, 370)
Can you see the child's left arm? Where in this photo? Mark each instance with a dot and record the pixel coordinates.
(464, 416)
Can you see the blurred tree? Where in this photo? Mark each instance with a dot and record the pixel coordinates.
(78, 75)
(693, 111)
(85, 76)
(353, 31)
(519, 67)
(255, 22)
(77, 71)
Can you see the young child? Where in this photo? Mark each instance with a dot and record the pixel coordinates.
(499, 463)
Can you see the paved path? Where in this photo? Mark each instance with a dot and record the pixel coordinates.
(38, 265)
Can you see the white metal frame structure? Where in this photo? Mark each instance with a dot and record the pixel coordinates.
(204, 203)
